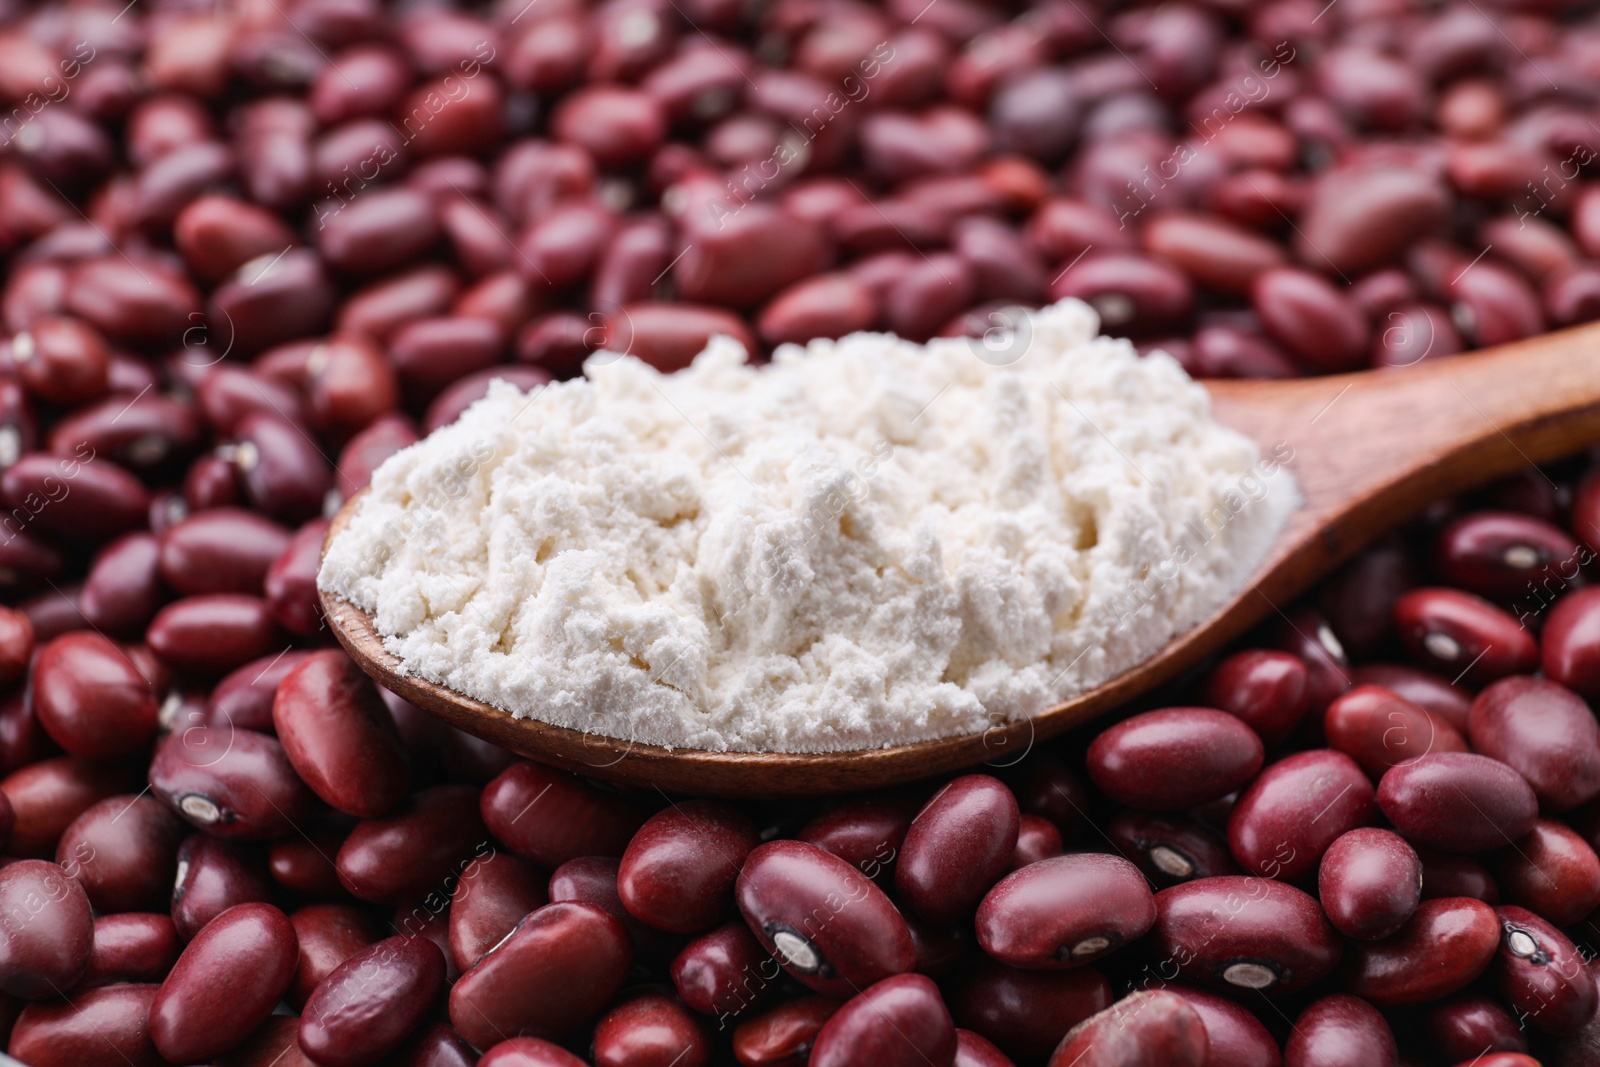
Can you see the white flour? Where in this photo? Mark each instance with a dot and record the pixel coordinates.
(871, 542)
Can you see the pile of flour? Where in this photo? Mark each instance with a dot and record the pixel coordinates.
(870, 542)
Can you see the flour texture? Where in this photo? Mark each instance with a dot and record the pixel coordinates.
(868, 543)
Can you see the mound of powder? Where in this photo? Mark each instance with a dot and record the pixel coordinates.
(870, 542)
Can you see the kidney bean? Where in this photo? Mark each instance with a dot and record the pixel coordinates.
(678, 869)
(1553, 872)
(1312, 319)
(142, 434)
(1380, 729)
(1457, 802)
(550, 817)
(1170, 849)
(1360, 218)
(229, 781)
(1543, 731)
(429, 354)
(1283, 823)
(96, 1028)
(958, 845)
(1572, 295)
(62, 360)
(122, 850)
(1461, 633)
(1127, 291)
(973, 1050)
(1493, 306)
(724, 972)
(217, 235)
(47, 795)
(740, 256)
(493, 895)
(1215, 254)
(1369, 883)
(223, 550)
(16, 645)
(1570, 642)
(828, 305)
(1472, 1025)
(1233, 1034)
(1063, 912)
(649, 1028)
(131, 947)
(453, 402)
(784, 891)
(1174, 758)
(1502, 554)
(91, 699)
(272, 1044)
(1037, 839)
(369, 1004)
(275, 297)
(528, 1052)
(1253, 933)
(283, 472)
(365, 452)
(414, 850)
(349, 383)
(48, 930)
(1145, 1027)
(339, 737)
(82, 496)
(224, 984)
(669, 336)
(1025, 1013)
(615, 125)
(1445, 874)
(212, 634)
(378, 230)
(243, 699)
(1541, 973)
(304, 864)
(576, 957)
(1263, 688)
(142, 304)
(437, 1045)
(1445, 701)
(1442, 948)
(899, 1020)
(212, 876)
(1340, 1030)
(227, 395)
(291, 582)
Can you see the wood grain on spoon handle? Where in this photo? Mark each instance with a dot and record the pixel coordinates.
(1369, 449)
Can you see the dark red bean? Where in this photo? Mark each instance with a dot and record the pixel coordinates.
(1174, 758)
(95, 1028)
(1446, 701)
(1215, 254)
(62, 360)
(1359, 218)
(339, 736)
(572, 958)
(679, 869)
(230, 782)
(380, 230)
(615, 124)
(131, 947)
(1458, 802)
(1064, 912)
(213, 876)
(868, 833)
(593, 880)
(142, 434)
(1312, 319)
(898, 1021)
(122, 850)
(1494, 306)
(370, 1003)
(651, 1028)
(1037, 839)
(48, 794)
(83, 496)
(1264, 688)
(1543, 731)
(1233, 1033)
(1127, 291)
(430, 353)
(1541, 974)
(1341, 1031)
(283, 472)
(290, 585)
(48, 930)
(1444, 946)
(1370, 883)
(137, 303)
(213, 634)
(217, 235)
(327, 935)
(437, 1045)
(1471, 1025)
(958, 846)
(1458, 633)
(225, 983)
(741, 255)
(1146, 1027)
(304, 864)
(528, 1052)
(275, 297)
(724, 972)
(16, 645)
(783, 1035)
(1379, 729)
(1553, 872)
(821, 918)
(244, 698)
(1448, 875)
(1283, 823)
(550, 817)
(1570, 642)
(1501, 554)
(1027, 1012)
(91, 699)
(493, 895)
(1250, 933)
(224, 550)
(1170, 849)
(367, 450)
(828, 305)
(669, 336)
(415, 849)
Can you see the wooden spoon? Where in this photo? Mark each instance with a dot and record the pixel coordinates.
(1369, 449)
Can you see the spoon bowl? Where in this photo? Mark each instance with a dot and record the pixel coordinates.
(1366, 449)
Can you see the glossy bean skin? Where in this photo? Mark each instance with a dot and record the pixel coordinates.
(1064, 912)
(1447, 630)
(528, 1052)
(593, 880)
(1442, 948)
(492, 896)
(1370, 883)
(1233, 1033)
(649, 1029)
(123, 851)
(1552, 872)
(1378, 729)
(131, 947)
(221, 550)
(1457, 802)
(123, 589)
(230, 782)
(224, 984)
(1444, 700)
(783, 1035)
(570, 819)
(47, 795)
(244, 698)
(974, 1050)
(724, 972)
(1312, 319)
(869, 834)
(898, 1021)
(678, 871)
(48, 932)
(327, 935)
(1037, 839)
(1569, 645)
(1499, 553)
(91, 699)
(1174, 758)
(1252, 933)
(1283, 823)
(1146, 1027)
(1541, 973)
(958, 845)
(1341, 1031)
(437, 1045)
(339, 737)
(825, 921)
(575, 955)
(213, 634)
(103, 1027)
(1473, 1024)
(370, 1003)
(1546, 733)
(1266, 689)
(212, 876)
(415, 849)
(1171, 848)
(1027, 1012)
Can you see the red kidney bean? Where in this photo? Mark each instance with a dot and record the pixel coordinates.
(1025, 1013)
(453, 402)
(1493, 306)
(787, 892)
(1145, 1027)
(574, 955)
(1543, 731)
(1360, 218)
(1370, 883)
(48, 794)
(1215, 254)
(384, 306)
(290, 583)
(1446, 701)
(1359, 600)
(209, 483)
(1458, 802)
(724, 972)
(784, 1034)
(366, 451)
(1233, 1034)
(227, 395)
(272, 298)
(1570, 642)
(48, 930)
(1440, 950)
(414, 850)
(650, 1028)
(1263, 688)
(91, 699)
(339, 736)
(615, 125)
(224, 984)
(61, 360)
(1459, 633)
(1283, 823)
(593, 880)
(143, 303)
(122, 850)
(428, 354)
(82, 496)
(95, 1028)
(1472, 1025)
(550, 817)
(326, 935)
(437, 1045)
(528, 1052)
(213, 876)
(561, 248)
(899, 1020)
(1037, 839)
(493, 895)
(1170, 849)
(212, 634)
(1064, 912)
(679, 868)
(131, 947)
(271, 1045)
(349, 383)
(669, 336)
(958, 845)
(740, 255)
(304, 864)
(1448, 875)
(243, 698)
(224, 550)
(1502, 554)
(217, 235)
(828, 305)
(283, 472)
(370, 1003)
(1252, 933)
(1380, 729)
(142, 434)
(229, 781)
(1312, 319)
(16, 645)
(1552, 872)
(1541, 974)
(1572, 296)
(1174, 758)
(1127, 291)
(1340, 1031)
